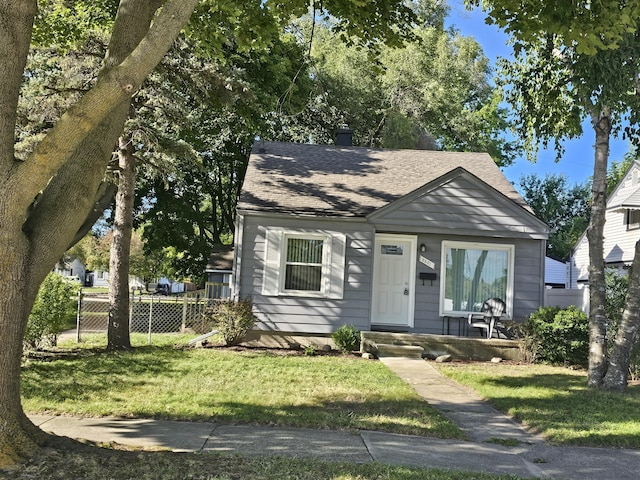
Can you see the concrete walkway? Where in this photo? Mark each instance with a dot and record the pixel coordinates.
(464, 407)
(531, 458)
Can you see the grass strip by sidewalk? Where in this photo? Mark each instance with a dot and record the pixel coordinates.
(556, 402)
(329, 392)
(170, 466)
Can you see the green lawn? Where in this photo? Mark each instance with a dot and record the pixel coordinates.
(556, 402)
(262, 387)
(338, 392)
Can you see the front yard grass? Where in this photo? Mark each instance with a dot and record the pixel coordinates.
(248, 387)
(556, 402)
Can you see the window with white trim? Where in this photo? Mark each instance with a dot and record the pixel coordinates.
(474, 272)
(304, 263)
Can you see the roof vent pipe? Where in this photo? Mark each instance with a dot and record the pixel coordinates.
(344, 137)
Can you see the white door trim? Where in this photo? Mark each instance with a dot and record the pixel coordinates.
(410, 278)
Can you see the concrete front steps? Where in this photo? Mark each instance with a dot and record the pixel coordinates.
(416, 345)
(390, 350)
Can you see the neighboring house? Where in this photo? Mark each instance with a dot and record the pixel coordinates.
(621, 230)
(97, 278)
(71, 268)
(165, 286)
(76, 270)
(555, 273)
(100, 278)
(391, 240)
(219, 272)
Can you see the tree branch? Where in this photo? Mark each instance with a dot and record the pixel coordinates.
(15, 36)
(68, 165)
(103, 200)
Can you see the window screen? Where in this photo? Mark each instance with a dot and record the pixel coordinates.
(303, 266)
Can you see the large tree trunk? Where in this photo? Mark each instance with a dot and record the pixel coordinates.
(15, 37)
(627, 334)
(595, 233)
(45, 199)
(118, 329)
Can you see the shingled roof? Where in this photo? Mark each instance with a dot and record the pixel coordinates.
(351, 181)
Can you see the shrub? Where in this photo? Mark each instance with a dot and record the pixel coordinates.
(347, 338)
(52, 311)
(557, 336)
(616, 290)
(233, 319)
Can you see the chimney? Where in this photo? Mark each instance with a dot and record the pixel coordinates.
(344, 136)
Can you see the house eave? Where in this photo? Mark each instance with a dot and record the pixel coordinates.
(302, 215)
(513, 233)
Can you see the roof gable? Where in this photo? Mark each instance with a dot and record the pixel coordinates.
(323, 180)
(462, 202)
(626, 195)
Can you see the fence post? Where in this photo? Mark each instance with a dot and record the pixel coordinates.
(131, 302)
(78, 315)
(184, 315)
(150, 318)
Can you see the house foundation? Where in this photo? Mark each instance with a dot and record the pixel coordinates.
(460, 348)
(397, 344)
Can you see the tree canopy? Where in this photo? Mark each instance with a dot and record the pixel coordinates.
(588, 26)
(434, 92)
(563, 207)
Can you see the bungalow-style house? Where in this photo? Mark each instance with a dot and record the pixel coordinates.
(621, 230)
(389, 240)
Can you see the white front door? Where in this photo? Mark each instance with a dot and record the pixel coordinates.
(394, 269)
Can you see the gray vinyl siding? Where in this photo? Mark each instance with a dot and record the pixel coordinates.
(462, 205)
(319, 315)
(302, 314)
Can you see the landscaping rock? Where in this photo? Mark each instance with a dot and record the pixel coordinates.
(496, 360)
(326, 348)
(443, 358)
(368, 355)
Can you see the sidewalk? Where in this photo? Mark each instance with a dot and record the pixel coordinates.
(531, 458)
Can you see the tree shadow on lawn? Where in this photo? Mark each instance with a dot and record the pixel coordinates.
(569, 412)
(78, 375)
(74, 383)
(403, 417)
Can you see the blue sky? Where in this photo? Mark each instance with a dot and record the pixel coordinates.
(577, 162)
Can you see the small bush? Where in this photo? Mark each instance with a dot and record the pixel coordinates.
(347, 338)
(557, 336)
(53, 310)
(233, 319)
(617, 285)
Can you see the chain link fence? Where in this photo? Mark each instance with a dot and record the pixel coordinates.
(149, 314)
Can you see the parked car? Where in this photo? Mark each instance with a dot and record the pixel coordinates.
(163, 289)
